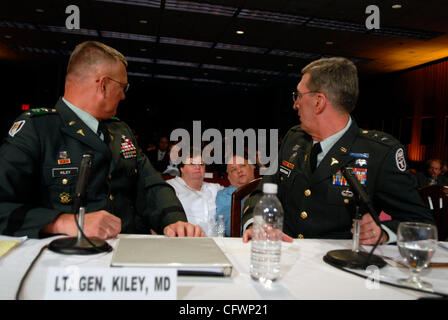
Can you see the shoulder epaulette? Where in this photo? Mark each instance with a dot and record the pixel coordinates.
(379, 136)
(40, 111)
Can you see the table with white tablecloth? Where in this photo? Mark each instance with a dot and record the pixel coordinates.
(305, 275)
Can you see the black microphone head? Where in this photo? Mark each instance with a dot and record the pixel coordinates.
(83, 176)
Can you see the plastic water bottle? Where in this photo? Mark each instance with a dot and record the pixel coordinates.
(267, 236)
(221, 227)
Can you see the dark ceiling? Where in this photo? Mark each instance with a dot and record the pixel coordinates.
(198, 40)
(187, 62)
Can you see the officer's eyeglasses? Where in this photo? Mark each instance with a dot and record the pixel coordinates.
(298, 95)
(124, 86)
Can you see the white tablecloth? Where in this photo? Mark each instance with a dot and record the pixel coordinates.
(304, 274)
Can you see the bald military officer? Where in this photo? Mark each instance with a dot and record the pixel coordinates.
(316, 198)
(40, 159)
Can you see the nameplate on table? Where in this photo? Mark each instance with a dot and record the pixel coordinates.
(75, 283)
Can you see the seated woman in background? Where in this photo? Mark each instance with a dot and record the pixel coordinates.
(197, 197)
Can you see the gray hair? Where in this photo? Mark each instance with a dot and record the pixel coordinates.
(337, 78)
(88, 54)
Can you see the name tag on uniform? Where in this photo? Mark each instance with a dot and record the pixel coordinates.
(64, 172)
(111, 283)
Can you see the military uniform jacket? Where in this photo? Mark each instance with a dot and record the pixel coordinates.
(321, 204)
(39, 165)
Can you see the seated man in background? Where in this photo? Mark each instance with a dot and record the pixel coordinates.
(433, 175)
(197, 197)
(172, 169)
(239, 173)
(159, 157)
(40, 160)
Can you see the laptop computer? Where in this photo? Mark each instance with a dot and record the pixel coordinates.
(190, 256)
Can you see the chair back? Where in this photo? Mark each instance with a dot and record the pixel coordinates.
(237, 196)
(436, 198)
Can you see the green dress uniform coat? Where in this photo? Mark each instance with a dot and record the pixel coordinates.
(39, 165)
(321, 204)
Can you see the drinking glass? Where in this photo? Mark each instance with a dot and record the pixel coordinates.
(417, 243)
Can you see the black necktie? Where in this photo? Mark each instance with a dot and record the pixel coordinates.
(102, 129)
(313, 156)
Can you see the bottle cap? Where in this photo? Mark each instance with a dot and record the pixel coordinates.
(270, 188)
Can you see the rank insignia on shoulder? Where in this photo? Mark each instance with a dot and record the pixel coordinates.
(127, 150)
(39, 111)
(16, 127)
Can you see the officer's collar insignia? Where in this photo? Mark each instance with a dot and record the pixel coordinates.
(334, 161)
(71, 123)
(81, 132)
(343, 149)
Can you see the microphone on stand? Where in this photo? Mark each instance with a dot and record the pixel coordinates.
(354, 258)
(81, 244)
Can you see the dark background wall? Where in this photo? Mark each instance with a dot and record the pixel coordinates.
(412, 105)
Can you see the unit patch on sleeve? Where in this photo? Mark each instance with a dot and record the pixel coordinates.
(400, 160)
(16, 127)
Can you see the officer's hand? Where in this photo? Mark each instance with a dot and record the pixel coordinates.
(99, 224)
(369, 231)
(247, 235)
(102, 225)
(183, 229)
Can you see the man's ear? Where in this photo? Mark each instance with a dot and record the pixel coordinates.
(321, 103)
(101, 85)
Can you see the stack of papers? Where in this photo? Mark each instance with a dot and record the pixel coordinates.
(7, 243)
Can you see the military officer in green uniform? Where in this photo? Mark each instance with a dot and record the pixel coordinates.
(317, 200)
(40, 160)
